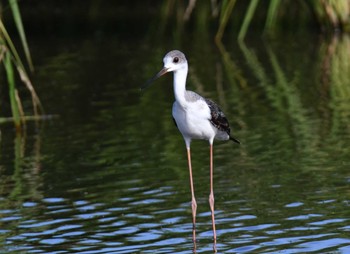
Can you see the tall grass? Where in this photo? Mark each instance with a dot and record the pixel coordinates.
(12, 61)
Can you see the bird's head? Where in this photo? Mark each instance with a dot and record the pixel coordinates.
(173, 61)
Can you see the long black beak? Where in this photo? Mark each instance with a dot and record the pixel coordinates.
(149, 82)
(235, 140)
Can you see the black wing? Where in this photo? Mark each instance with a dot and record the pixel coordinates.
(218, 119)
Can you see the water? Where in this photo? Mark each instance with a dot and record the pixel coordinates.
(108, 173)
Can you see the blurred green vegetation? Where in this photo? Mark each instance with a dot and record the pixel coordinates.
(229, 18)
(270, 17)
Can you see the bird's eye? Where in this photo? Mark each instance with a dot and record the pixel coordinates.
(176, 60)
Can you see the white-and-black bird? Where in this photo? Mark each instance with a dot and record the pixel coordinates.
(196, 118)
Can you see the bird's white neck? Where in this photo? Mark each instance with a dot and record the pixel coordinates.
(180, 86)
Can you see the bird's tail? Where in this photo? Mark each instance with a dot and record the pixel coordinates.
(235, 140)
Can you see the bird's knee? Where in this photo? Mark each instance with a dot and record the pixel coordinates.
(194, 204)
(211, 199)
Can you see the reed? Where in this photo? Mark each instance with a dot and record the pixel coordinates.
(15, 107)
(12, 61)
(226, 11)
(19, 24)
(248, 18)
(328, 15)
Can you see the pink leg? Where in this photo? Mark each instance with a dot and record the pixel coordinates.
(194, 203)
(211, 195)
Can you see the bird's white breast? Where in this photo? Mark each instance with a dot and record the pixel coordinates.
(192, 120)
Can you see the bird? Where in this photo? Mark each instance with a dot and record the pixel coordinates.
(196, 117)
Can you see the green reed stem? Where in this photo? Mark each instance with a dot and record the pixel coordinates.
(272, 15)
(10, 44)
(12, 89)
(248, 18)
(226, 10)
(19, 24)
